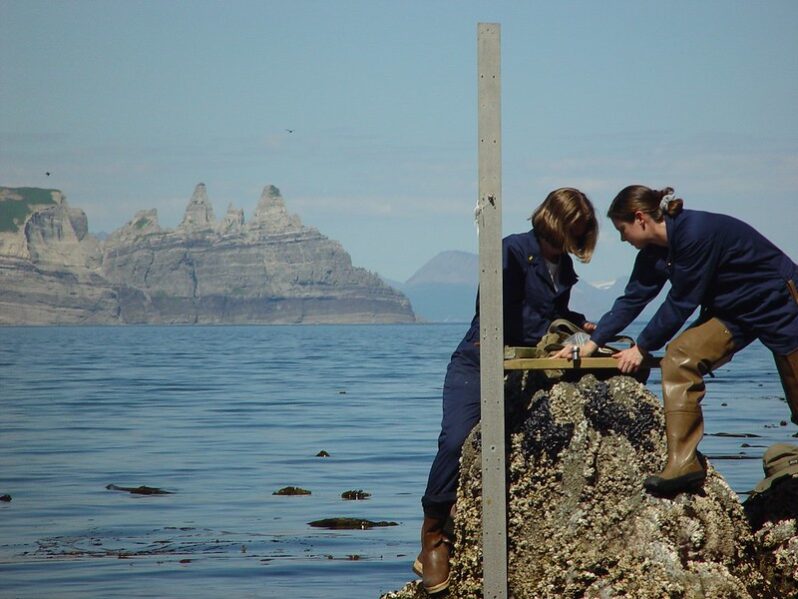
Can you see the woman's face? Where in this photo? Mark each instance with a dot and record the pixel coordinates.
(579, 228)
(634, 233)
(579, 231)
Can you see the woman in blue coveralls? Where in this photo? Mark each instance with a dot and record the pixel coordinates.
(746, 288)
(537, 278)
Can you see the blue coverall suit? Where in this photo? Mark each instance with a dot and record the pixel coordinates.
(531, 303)
(721, 264)
(733, 273)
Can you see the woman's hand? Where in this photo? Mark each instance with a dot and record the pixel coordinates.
(589, 327)
(629, 360)
(567, 352)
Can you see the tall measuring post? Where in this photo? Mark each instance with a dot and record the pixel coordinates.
(491, 334)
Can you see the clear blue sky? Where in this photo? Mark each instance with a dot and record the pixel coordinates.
(130, 104)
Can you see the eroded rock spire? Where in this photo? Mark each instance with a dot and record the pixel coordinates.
(271, 216)
(199, 212)
(232, 222)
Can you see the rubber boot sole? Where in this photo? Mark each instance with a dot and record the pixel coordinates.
(418, 569)
(689, 482)
(438, 588)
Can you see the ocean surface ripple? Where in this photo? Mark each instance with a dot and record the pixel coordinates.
(222, 417)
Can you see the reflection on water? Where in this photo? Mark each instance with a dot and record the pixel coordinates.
(225, 416)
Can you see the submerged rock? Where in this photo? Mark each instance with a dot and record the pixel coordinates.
(291, 491)
(349, 523)
(359, 494)
(580, 523)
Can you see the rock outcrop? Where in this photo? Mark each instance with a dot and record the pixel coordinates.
(774, 518)
(580, 524)
(232, 223)
(271, 217)
(49, 264)
(272, 269)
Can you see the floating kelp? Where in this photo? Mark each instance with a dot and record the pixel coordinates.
(182, 543)
(142, 490)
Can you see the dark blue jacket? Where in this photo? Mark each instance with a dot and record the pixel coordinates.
(722, 265)
(530, 300)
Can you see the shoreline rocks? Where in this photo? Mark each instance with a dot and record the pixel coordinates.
(580, 523)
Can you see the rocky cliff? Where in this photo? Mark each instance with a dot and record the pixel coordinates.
(272, 269)
(49, 264)
(580, 524)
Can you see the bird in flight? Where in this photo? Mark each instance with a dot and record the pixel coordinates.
(290, 130)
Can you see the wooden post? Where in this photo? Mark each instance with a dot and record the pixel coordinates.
(489, 219)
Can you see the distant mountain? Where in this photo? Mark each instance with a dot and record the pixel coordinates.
(444, 290)
(448, 268)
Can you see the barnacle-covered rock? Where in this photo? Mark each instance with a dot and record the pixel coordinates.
(774, 518)
(580, 523)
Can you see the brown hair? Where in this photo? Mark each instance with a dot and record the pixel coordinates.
(560, 212)
(639, 198)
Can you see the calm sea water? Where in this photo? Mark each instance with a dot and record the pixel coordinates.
(223, 417)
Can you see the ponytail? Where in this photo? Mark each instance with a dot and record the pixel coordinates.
(669, 204)
(639, 198)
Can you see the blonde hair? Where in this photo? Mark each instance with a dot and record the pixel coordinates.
(639, 198)
(562, 211)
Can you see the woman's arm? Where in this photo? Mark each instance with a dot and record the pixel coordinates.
(649, 275)
(647, 279)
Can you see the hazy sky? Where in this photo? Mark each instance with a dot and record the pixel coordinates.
(130, 104)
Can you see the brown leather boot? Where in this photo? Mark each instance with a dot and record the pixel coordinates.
(448, 531)
(432, 563)
(788, 372)
(694, 353)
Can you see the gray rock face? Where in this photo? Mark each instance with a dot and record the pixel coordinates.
(269, 270)
(49, 264)
(580, 524)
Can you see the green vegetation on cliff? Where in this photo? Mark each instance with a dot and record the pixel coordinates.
(16, 203)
